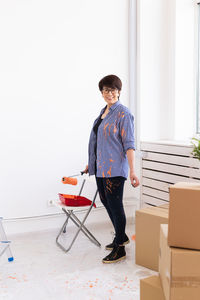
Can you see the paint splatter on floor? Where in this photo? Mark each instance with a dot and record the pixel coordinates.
(42, 271)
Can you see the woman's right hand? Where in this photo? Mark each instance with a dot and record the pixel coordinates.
(86, 170)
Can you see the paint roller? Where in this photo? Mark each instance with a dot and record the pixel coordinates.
(71, 180)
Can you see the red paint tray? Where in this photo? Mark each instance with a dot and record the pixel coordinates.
(73, 200)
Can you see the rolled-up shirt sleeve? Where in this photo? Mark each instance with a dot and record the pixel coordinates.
(127, 131)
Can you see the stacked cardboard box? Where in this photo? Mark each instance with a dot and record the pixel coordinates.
(151, 289)
(179, 265)
(179, 262)
(179, 270)
(184, 218)
(147, 228)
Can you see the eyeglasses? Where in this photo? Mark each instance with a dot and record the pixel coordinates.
(107, 91)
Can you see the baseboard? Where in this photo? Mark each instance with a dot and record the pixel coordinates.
(53, 221)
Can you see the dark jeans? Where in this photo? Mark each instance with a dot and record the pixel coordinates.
(111, 195)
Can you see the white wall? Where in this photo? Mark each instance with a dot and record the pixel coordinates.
(185, 69)
(52, 55)
(154, 69)
(166, 69)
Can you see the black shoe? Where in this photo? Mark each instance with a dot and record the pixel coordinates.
(111, 246)
(118, 253)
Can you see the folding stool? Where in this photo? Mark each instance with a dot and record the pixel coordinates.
(69, 211)
(5, 244)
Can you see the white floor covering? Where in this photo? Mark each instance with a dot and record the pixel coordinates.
(43, 271)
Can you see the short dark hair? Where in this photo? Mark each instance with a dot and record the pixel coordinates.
(111, 81)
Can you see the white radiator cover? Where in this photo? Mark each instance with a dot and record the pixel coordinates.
(163, 164)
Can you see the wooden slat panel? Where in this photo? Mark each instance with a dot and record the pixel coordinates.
(172, 159)
(177, 170)
(144, 205)
(163, 186)
(155, 193)
(163, 164)
(171, 149)
(166, 177)
(154, 201)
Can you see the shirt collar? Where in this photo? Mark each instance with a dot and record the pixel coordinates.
(112, 107)
(115, 105)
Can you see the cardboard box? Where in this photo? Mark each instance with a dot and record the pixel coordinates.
(179, 270)
(147, 228)
(184, 217)
(151, 289)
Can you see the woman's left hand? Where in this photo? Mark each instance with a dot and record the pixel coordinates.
(134, 180)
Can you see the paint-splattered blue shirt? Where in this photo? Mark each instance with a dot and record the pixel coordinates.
(107, 150)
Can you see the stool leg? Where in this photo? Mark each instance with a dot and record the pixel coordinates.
(87, 233)
(5, 241)
(60, 232)
(64, 227)
(80, 226)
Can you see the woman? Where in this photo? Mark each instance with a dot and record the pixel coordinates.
(111, 152)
